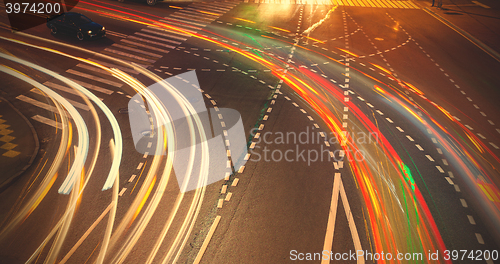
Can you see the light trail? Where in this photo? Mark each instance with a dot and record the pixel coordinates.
(66, 187)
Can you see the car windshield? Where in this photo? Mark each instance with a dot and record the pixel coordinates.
(80, 20)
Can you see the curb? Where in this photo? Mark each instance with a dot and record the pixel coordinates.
(495, 55)
(10, 180)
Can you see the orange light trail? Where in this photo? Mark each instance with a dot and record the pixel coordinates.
(282, 29)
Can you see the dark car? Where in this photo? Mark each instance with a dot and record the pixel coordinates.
(75, 24)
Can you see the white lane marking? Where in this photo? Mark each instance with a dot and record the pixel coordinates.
(207, 240)
(409, 138)
(47, 121)
(125, 54)
(235, 182)
(140, 165)
(93, 68)
(463, 202)
(92, 87)
(441, 170)
(132, 178)
(184, 20)
(352, 225)
(330, 227)
(37, 103)
(449, 180)
(150, 42)
(76, 104)
(87, 233)
(136, 50)
(471, 220)
(228, 197)
(92, 77)
(122, 192)
(429, 157)
(58, 87)
(419, 147)
(110, 65)
(479, 238)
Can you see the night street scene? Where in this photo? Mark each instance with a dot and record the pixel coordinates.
(249, 131)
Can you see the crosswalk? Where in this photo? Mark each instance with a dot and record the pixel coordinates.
(144, 48)
(360, 3)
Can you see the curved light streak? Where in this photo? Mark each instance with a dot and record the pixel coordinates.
(113, 172)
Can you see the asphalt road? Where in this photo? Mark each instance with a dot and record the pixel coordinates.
(368, 128)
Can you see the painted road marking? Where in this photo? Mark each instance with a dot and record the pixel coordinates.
(480, 4)
(47, 121)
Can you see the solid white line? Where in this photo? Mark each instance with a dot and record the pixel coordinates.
(352, 225)
(88, 76)
(207, 240)
(330, 227)
(235, 182)
(122, 192)
(47, 121)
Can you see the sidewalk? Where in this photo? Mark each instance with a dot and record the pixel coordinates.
(477, 20)
(18, 143)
